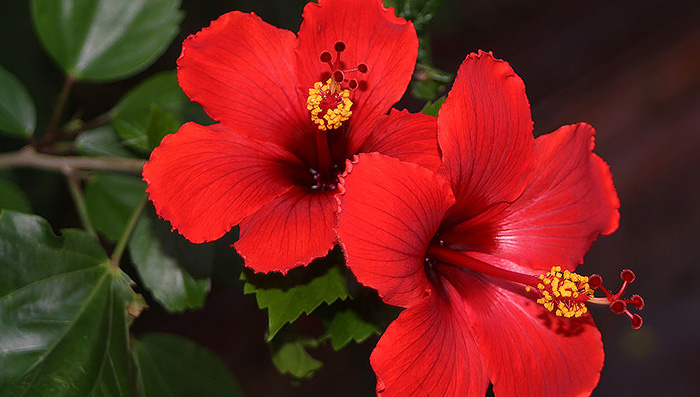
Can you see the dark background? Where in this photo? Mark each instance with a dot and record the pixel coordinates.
(631, 68)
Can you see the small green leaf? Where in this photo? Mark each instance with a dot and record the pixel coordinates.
(160, 257)
(17, 112)
(12, 197)
(111, 199)
(101, 40)
(102, 141)
(160, 123)
(62, 310)
(302, 290)
(348, 323)
(134, 117)
(174, 366)
(432, 108)
(290, 356)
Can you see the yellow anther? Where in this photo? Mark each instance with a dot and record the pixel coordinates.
(329, 109)
(560, 291)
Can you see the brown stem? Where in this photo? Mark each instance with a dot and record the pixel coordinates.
(29, 157)
(58, 110)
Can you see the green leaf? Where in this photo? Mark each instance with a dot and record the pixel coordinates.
(347, 323)
(12, 197)
(101, 40)
(101, 141)
(160, 257)
(290, 356)
(174, 366)
(432, 108)
(134, 117)
(302, 290)
(111, 199)
(119, 375)
(62, 310)
(17, 112)
(160, 123)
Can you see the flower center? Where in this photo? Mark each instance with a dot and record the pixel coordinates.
(330, 102)
(329, 108)
(563, 293)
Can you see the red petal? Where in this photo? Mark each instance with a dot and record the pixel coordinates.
(410, 137)
(570, 201)
(290, 231)
(373, 35)
(430, 351)
(389, 212)
(485, 134)
(204, 180)
(526, 349)
(241, 70)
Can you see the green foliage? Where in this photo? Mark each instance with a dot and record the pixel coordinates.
(102, 141)
(428, 82)
(149, 111)
(432, 108)
(17, 112)
(300, 291)
(290, 356)
(12, 197)
(102, 40)
(420, 12)
(159, 256)
(111, 199)
(174, 366)
(160, 123)
(63, 309)
(349, 323)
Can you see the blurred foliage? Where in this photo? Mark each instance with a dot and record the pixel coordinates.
(174, 366)
(17, 113)
(102, 40)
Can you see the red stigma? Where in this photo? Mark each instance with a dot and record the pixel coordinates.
(617, 305)
(636, 321)
(638, 302)
(627, 275)
(338, 74)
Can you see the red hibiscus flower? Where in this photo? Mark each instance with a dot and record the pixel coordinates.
(290, 111)
(481, 254)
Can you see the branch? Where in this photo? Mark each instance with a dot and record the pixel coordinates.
(58, 110)
(28, 157)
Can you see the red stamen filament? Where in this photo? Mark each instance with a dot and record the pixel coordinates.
(568, 301)
(338, 74)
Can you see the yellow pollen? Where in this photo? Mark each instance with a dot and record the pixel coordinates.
(559, 292)
(337, 105)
